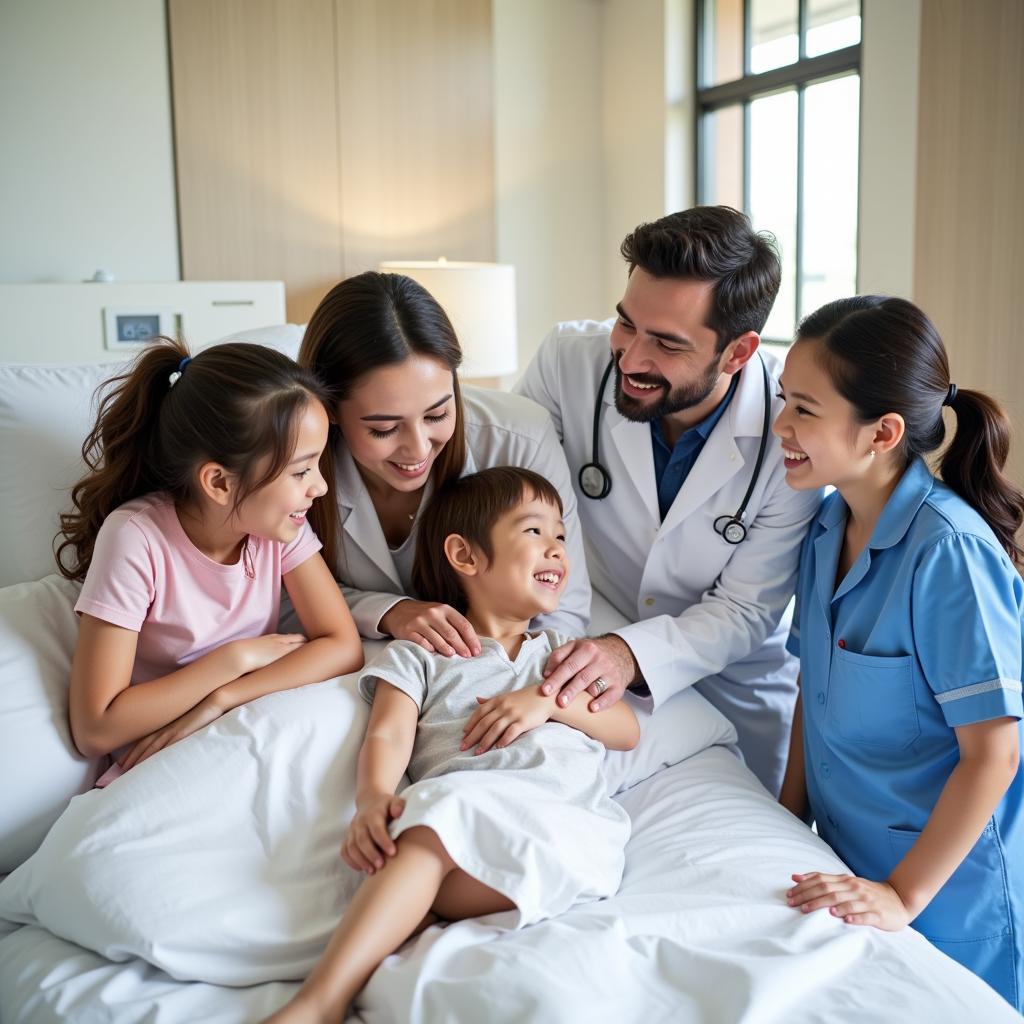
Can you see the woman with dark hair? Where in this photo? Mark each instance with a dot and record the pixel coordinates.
(906, 742)
(402, 427)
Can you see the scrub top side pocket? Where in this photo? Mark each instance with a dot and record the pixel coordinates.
(969, 918)
(872, 701)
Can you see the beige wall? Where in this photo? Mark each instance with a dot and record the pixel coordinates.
(593, 134)
(87, 175)
(888, 146)
(549, 178)
(969, 261)
(316, 139)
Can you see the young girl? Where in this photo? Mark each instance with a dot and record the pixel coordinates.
(535, 832)
(194, 510)
(906, 742)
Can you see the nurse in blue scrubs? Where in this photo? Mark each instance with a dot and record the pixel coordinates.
(906, 745)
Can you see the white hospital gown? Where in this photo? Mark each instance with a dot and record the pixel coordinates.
(531, 820)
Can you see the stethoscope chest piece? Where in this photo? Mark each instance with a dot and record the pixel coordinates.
(594, 481)
(730, 529)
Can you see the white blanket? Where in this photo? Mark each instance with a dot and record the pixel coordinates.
(217, 860)
(699, 932)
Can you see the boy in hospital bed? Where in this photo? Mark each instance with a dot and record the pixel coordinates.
(508, 809)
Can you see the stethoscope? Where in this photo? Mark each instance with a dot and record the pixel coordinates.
(596, 482)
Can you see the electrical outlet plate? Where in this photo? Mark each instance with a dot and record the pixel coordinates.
(135, 327)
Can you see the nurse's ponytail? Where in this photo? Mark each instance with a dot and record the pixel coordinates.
(973, 466)
(885, 356)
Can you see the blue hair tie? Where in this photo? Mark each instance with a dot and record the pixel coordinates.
(176, 375)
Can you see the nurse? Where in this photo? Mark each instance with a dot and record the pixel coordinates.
(403, 425)
(906, 745)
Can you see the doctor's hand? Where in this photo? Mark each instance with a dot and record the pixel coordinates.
(437, 628)
(578, 665)
(855, 900)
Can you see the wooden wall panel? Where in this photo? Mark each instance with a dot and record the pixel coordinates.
(317, 137)
(256, 135)
(416, 126)
(969, 259)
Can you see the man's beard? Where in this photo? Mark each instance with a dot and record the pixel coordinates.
(686, 396)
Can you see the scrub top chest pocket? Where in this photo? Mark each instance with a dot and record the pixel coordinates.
(871, 699)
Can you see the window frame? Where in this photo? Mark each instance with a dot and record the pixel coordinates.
(742, 91)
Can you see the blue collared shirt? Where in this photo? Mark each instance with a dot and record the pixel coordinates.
(672, 465)
(922, 635)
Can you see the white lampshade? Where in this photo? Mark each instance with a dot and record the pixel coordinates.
(480, 300)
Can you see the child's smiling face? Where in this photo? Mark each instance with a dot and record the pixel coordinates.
(528, 569)
(277, 511)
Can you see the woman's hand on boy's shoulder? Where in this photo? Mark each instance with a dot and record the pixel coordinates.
(437, 628)
(501, 720)
(368, 843)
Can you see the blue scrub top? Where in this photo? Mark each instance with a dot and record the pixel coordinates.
(924, 633)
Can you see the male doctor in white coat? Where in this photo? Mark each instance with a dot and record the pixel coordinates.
(683, 400)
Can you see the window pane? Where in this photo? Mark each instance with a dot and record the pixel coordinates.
(831, 25)
(773, 175)
(831, 114)
(722, 42)
(774, 34)
(722, 154)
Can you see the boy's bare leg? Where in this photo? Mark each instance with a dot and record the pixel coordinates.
(385, 911)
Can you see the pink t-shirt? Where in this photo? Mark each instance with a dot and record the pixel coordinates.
(147, 576)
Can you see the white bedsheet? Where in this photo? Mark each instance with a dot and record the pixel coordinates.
(698, 932)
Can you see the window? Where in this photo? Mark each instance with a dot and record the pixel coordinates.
(778, 98)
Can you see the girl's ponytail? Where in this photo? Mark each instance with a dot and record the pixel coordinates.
(973, 464)
(120, 451)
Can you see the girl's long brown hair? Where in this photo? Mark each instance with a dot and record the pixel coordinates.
(234, 404)
(366, 322)
(884, 355)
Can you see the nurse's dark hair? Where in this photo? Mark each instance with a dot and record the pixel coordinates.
(885, 356)
(469, 506)
(235, 404)
(716, 244)
(366, 322)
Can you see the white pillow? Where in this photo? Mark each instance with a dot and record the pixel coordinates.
(284, 338)
(217, 859)
(682, 726)
(45, 414)
(39, 765)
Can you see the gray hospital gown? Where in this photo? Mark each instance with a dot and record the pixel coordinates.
(532, 820)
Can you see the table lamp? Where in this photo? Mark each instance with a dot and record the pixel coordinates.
(480, 300)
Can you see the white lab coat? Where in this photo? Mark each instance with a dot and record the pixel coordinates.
(705, 612)
(501, 430)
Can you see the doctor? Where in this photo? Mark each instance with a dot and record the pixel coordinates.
(690, 529)
(402, 426)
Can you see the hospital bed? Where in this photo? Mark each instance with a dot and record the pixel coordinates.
(203, 883)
